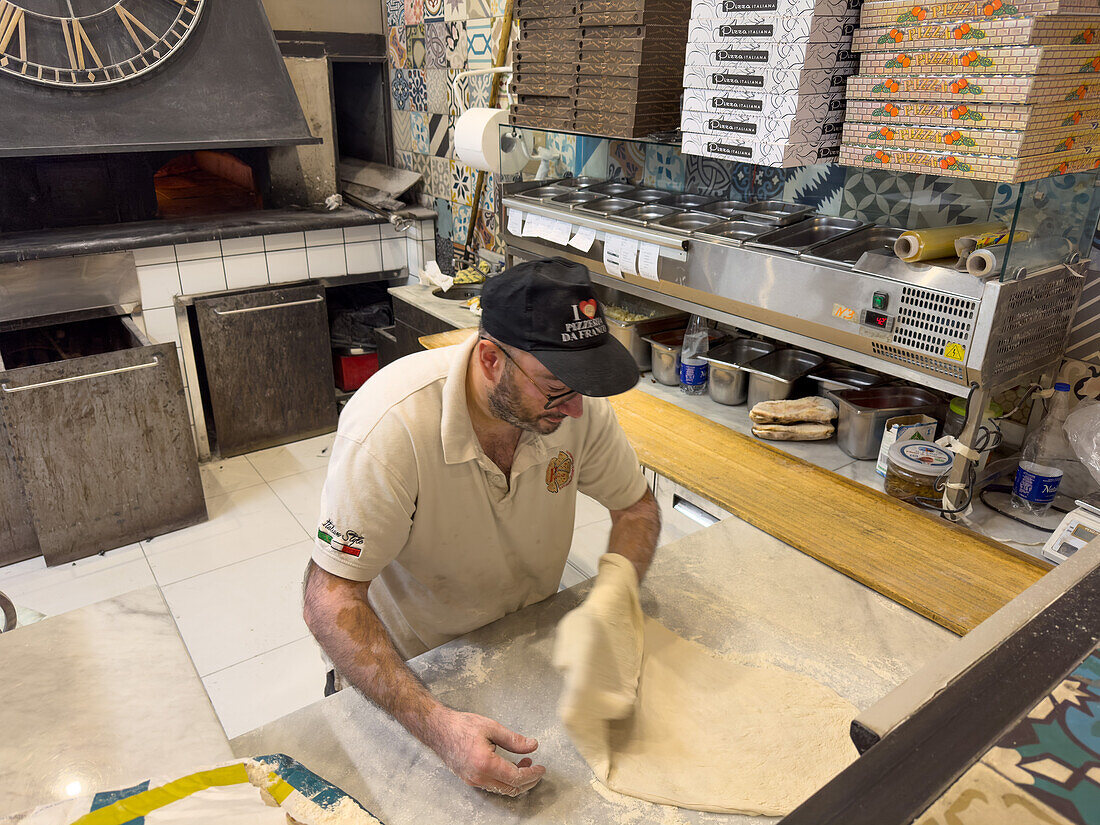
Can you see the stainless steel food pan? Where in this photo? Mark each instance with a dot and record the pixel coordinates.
(832, 379)
(608, 206)
(577, 197)
(726, 209)
(579, 181)
(864, 413)
(612, 188)
(780, 374)
(545, 193)
(665, 353)
(736, 232)
(848, 249)
(778, 213)
(689, 200)
(649, 213)
(651, 195)
(687, 222)
(728, 381)
(803, 235)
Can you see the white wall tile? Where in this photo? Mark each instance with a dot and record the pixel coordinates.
(390, 231)
(394, 255)
(412, 255)
(155, 255)
(326, 261)
(289, 240)
(243, 246)
(324, 237)
(427, 251)
(160, 325)
(356, 234)
(160, 283)
(198, 251)
(207, 275)
(287, 265)
(364, 257)
(245, 270)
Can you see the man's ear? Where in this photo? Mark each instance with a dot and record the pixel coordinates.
(489, 360)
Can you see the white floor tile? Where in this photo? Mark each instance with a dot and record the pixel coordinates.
(589, 543)
(588, 511)
(267, 687)
(243, 524)
(237, 612)
(291, 459)
(227, 476)
(301, 494)
(59, 589)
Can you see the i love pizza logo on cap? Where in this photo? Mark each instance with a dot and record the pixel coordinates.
(547, 307)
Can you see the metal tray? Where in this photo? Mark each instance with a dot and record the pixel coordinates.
(576, 198)
(846, 250)
(727, 209)
(651, 195)
(689, 200)
(687, 222)
(544, 193)
(648, 213)
(579, 182)
(777, 213)
(785, 364)
(736, 232)
(798, 237)
(608, 206)
(833, 378)
(612, 188)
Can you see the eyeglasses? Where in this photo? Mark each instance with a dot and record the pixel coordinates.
(552, 401)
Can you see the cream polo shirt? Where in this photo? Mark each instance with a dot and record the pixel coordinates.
(412, 503)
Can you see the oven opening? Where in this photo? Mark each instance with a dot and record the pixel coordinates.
(209, 183)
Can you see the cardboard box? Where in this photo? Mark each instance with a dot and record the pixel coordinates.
(764, 153)
(1051, 30)
(974, 141)
(781, 8)
(760, 128)
(646, 79)
(766, 81)
(984, 115)
(555, 85)
(982, 60)
(880, 13)
(904, 428)
(975, 88)
(673, 9)
(774, 55)
(811, 107)
(959, 165)
(639, 17)
(763, 27)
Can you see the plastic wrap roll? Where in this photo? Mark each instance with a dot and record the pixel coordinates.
(938, 242)
(987, 262)
(966, 245)
(1033, 255)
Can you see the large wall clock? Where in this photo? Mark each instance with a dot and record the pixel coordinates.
(91, 43)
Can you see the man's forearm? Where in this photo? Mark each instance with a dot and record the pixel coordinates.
(347, 628)
(634, 532)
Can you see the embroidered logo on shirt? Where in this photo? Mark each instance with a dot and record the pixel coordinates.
(343, 543)
(559, 472)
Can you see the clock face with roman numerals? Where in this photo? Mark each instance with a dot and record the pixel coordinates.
(91, 43)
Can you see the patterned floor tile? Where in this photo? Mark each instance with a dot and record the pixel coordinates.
(443, 214)
(439, 137)
(743, 180)
(479, 86)
(819, 186)
(462, 183)
(456, 44)
(591, 157)
(396, 51)
(435, 45)
(479, 9)
(402, 131)
(439, 184)
(981, 796)
(454, 10)
(403, 160)
(768, 183)
(414, 12)
(400, 89)
(395, 13)
(422, 164)
(488, 232)
(414, 41)
(433, 10)
(460, 216)
(877, 196)
(664, 167)
(439, 92)
(420, 133)
(565, 146)
(940, 201)
(479, 43)
(418, 90)
(626, 160)
(707, 176)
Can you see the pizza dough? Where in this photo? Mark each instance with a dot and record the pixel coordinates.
(793, 432)
(794, 411)
(660, 718)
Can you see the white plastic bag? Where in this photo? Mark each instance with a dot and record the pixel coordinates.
(1083, 430)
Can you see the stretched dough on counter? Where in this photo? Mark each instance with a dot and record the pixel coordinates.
(683, 726)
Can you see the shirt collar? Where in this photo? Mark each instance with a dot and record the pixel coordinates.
(459, 440)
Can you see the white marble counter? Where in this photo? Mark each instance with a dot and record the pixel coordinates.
(98, 699)
(730, 587)
(448, 311)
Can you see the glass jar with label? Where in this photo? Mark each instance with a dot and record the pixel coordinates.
(913, 468)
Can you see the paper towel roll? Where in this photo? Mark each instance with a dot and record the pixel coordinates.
(937, 242)
(477, 142)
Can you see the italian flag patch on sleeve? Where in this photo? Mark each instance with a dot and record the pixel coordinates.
(336, 544)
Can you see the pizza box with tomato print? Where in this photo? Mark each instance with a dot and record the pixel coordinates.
(1049, 30)
(979, 167)
(892, 13)
(780, 8)
(756, 128)
(975, 141)
(975, 115)
(765, 28)
(739, 57)
(762, 152)
(982, 60)
(968, 88)
(812, 108)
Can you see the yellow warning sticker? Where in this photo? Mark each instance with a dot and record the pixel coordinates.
(956, 352)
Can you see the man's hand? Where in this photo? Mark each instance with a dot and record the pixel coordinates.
(467, 744)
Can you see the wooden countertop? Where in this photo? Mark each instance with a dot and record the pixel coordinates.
(949, 574)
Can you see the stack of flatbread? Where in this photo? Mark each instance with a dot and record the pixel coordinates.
(795, 419)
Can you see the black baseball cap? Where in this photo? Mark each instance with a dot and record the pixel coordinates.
(547, 308)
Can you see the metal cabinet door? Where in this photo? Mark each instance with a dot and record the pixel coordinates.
(18, 540)
(268, 364)
(104, 448)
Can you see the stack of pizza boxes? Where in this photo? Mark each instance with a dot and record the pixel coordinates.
(976, 88)
(764, 80)
(602, 67)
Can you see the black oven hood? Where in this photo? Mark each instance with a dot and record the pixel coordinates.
(224, 87)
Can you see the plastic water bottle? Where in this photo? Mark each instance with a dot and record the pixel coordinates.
(693, 369)
(1045, 454)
